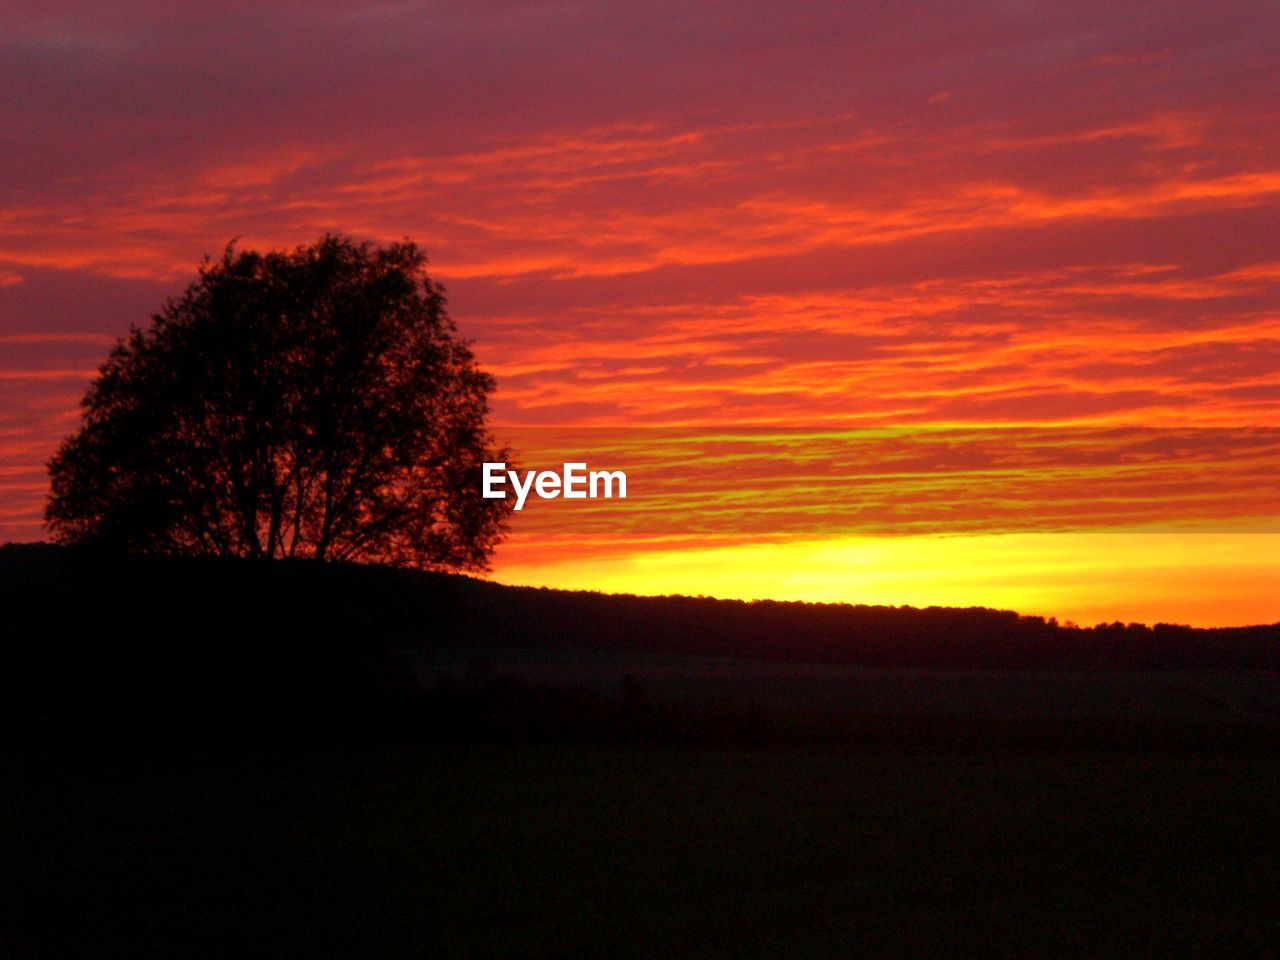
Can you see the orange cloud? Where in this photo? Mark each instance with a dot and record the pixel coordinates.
(931, 288)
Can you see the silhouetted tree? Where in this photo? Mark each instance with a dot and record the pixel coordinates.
(315, 403)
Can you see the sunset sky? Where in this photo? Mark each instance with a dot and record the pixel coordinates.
(895, 303)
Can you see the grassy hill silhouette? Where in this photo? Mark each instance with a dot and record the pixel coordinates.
(150, 647)
(207, 758)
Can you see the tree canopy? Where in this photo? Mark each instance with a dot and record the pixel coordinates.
(313, 403)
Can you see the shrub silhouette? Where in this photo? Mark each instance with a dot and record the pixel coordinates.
(315, 403)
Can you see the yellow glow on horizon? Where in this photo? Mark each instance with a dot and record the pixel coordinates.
(1203, 579)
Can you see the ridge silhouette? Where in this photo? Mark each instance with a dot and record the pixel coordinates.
(154, 648)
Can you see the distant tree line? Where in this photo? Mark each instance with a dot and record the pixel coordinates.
(404, 607)
(133, 649)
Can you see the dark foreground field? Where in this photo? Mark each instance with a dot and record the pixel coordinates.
(641, 852)
(231, 759)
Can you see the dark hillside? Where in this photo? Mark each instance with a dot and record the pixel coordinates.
(212, 759)
(112, 644)
(74, 597)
